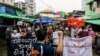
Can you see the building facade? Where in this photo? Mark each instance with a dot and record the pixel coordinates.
(91, 7)
(10, 2)
(31, 6)
(21, 5)
(83, 5)
(92, 11)
(98, 6)
(28, 7)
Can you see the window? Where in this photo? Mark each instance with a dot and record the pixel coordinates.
(98, 4)
(23, 8)
(10, 10)
(2, 9)
(11, 1)
(91, 4)
(23, 4)
(3, 1)
(31, 0)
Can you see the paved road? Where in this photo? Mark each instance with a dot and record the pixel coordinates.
(3, 48)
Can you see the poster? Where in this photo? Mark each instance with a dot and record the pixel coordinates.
(19, 47)
(78, 46)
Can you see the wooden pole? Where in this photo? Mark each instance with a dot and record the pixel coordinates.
(14, 22)
(41, 26)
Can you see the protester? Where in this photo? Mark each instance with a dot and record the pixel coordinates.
(66, 32)
(29, 32)
(43, 49)
(37, 27)
(8, 32)
(8, 37)
(83, 33)
(34, 36)
(23, 32)
(55, 37)
(15, 34)
(98, 43)
(59, 50)
(75, 31)
(39, 34)
(92, 34)
(49, 34)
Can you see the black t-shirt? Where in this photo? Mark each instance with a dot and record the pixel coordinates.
(28, 35)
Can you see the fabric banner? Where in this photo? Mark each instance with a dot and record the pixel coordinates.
(78, 46)
(19, 47)
(75, 22)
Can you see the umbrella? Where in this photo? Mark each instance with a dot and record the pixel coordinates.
(44, 20)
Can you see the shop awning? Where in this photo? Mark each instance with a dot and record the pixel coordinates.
(6, 16)
(93, 19)
(24, 19)
(96, 22)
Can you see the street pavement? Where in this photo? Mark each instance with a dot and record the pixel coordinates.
(3, 48)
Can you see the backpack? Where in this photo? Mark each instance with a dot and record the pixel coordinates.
(43, 49)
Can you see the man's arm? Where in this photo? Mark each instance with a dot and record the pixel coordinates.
(60, 43)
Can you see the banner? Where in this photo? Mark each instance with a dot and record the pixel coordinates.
(19, 47)
(75, 22)
(78, 46)
(19, 23)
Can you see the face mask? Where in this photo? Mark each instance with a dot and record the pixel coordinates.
(15, 31)
(66, 28)
(28, 28)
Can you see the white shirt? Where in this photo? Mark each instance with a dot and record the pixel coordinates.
(55, 38)
(55, 34)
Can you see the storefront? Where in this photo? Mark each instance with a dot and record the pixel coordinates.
(9, 15)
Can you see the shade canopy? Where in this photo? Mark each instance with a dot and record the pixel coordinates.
(96, 22)
(93, 18)
(6, 16)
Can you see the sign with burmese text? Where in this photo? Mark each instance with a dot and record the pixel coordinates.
(19, 47)
(78, 46)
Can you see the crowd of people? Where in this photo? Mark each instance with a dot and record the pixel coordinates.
(48, 39)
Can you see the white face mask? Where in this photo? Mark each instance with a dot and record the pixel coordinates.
(29, 29)
(15, 31)
(66, 28)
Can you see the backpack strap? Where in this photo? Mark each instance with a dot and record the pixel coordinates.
(41, 46)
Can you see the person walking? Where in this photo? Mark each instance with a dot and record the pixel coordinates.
(40, 48)
(55, 37)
